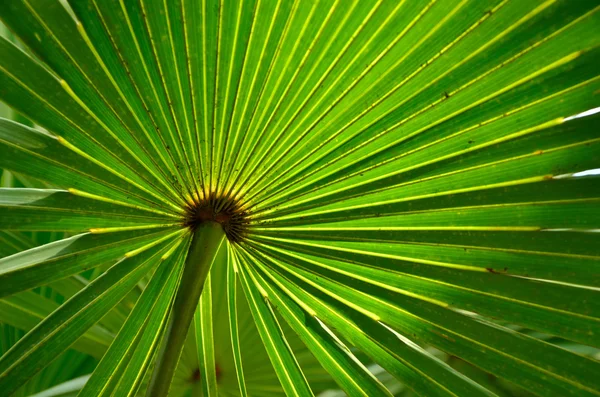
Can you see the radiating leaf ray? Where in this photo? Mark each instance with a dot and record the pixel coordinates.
(288, 371)
(295, 15)
(396, 356)
(253, 89)
(541, 307)
(84, 76)
(357, 23)
(97, 22)
(232, 277)
(380, 28)
(51, 262)
(452, 151)
(16, 92)
(39, 155)
(533, 192)
(152, 306)
(147, 77)
(61, 210)
(203, 326)
(584, 24)
(227, 89)
(156, 19)
(25, 310)
(431, 324)
(424, 14)
(55, 333)
(351, 376)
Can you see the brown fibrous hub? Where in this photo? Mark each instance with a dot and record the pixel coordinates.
(224, 210)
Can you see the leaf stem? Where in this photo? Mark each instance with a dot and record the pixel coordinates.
(205, 245)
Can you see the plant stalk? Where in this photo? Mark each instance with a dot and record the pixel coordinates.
(205, 245)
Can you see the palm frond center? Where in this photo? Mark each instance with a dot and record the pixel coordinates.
(222, 209)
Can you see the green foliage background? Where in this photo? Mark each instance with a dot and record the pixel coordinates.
(407, 169)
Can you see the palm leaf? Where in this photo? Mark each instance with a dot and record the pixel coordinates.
(266, 198)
